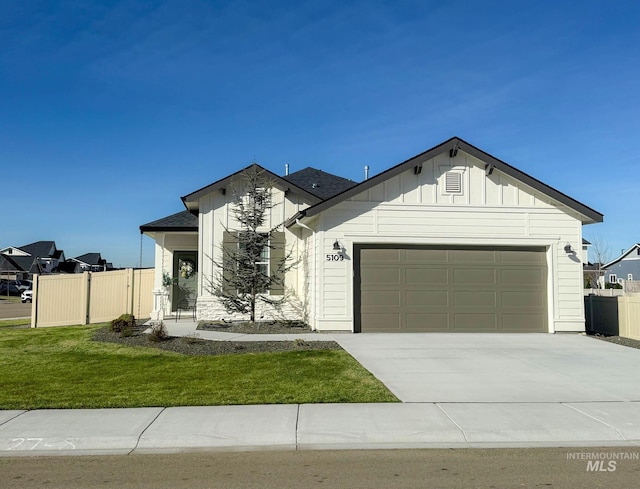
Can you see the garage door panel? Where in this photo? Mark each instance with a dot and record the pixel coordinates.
(434, 322)
(474, 256)
(382, 322)
(436, 289)
(523, 323)
(380, 298)
(475, 298)
(438, 276)
(520, 299)
(474, 321)
(521, 257)
(381, 276)
(421, 298)
(382, 255)
(527, 277)
(425, 256)
(474, 276)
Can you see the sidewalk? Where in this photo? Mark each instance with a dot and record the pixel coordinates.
(312, 426)
(317, 426)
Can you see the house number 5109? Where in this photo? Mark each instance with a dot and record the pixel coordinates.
(334, 257)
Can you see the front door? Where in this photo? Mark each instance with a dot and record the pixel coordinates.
(185, 279)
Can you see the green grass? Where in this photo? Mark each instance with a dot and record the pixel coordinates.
(10, 298)
(11, 323)
(63, 368)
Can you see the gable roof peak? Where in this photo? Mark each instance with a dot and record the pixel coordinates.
(190, 201)
(452, 146)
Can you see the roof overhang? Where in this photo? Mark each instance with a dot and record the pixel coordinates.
(452, 146)
(192, 201)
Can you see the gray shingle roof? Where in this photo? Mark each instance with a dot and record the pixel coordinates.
(181, 221)
(8, 265)
(319, 183)
(41, 249)
(90, 258)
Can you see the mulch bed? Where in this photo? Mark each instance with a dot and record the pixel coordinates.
(192, 345)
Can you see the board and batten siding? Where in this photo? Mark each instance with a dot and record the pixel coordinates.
(412, 209)
(215, 215)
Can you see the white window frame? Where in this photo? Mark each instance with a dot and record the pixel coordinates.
(613, 278)
(629, 276)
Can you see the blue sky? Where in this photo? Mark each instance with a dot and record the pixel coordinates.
(112, 110)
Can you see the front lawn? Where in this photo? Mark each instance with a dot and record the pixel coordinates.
(64, 368)
(12, 323)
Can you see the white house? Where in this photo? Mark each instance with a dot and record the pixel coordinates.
(452, 239)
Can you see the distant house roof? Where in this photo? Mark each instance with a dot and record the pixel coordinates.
(180, 221)
(585, 242)
(7, 264)
(40, 249)
(319, 183)
(90, 259)
(623, 255)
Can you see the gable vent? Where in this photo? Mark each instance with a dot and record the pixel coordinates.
(453, 182)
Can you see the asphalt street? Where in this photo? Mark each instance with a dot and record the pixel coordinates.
(10, 309)
(551, 468)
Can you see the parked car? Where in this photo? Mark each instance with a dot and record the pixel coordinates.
(10, 287)
(27, 295)
(24, 284)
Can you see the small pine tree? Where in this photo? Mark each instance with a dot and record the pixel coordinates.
(253, 258)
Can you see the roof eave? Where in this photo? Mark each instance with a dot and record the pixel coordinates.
(589, 215)
(622, 256)
(191, 201)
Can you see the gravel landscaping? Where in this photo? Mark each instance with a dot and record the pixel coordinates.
(193, 345)
(618, 340)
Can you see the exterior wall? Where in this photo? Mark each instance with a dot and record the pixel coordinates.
(215, 216)
(412, 209)
(166, 244)
(628, 265)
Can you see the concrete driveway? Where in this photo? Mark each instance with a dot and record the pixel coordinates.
(498, 368)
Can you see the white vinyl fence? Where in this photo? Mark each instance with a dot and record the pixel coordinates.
(91, 297)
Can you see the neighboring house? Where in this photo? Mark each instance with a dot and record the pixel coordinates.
(450, 240)
(39, 257)
(593, 272)
(625, 267)
(585, 251)
(70, 267)
(9, 269)
(91, 262)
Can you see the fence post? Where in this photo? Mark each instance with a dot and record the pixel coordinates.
(86, 299)
(623, 317)
(130, 290)
(34, 302)
(589, 321)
